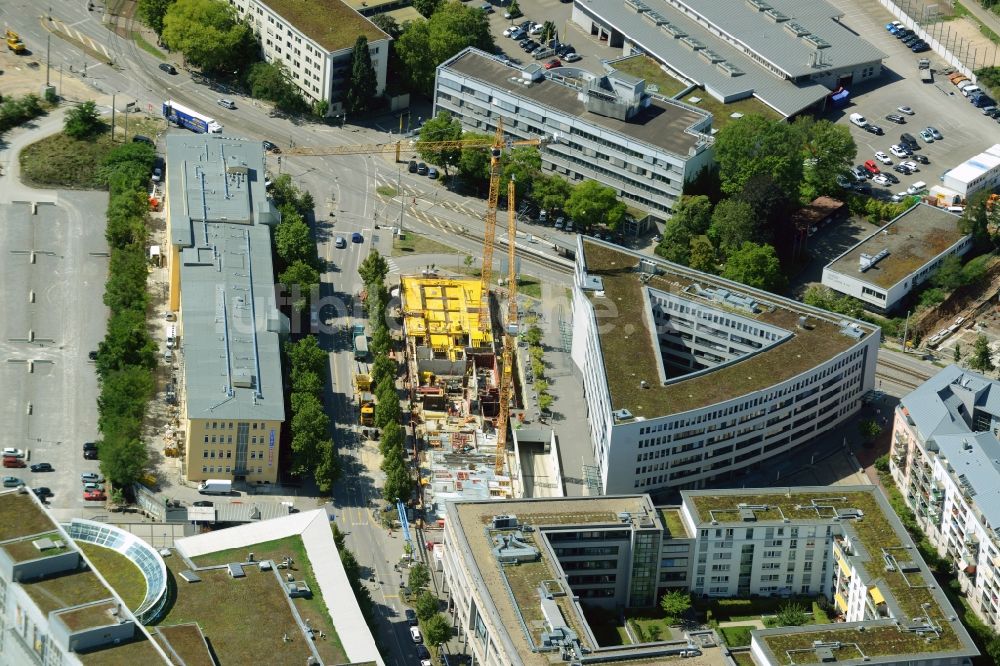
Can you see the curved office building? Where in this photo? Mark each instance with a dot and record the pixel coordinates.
(691, 380)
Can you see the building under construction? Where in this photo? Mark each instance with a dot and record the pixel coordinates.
(454, 385)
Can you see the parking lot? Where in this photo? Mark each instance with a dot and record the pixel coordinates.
(966, 131)
(54, 271)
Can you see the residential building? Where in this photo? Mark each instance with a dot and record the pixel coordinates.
(976, 174)
(607, 129)
(56, 608)
(945, 459)
(789, 54)
(525, 575)
(221, 279)
(893, 261)
(314, 41)
(692, 380)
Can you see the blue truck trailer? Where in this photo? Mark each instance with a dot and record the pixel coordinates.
(185, 117)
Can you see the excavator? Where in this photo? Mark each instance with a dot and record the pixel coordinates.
(14, 42)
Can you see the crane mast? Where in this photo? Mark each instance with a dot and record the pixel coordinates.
(509, 334)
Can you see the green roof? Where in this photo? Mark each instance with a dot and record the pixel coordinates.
(331, 23)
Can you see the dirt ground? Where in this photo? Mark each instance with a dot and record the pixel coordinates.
(20, 75)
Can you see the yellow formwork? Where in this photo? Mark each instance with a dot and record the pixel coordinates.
(445, 312)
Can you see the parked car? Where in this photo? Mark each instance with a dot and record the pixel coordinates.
(883, 158)
(896, 118)
(920, 47)
(926, 136)
(94, 495)
(432, 172)
(905, 110)
(422, 169)
(881, 180)
(572, 56)
(860, 172)
(270, 147)
(411, 617)
(871, 167)
(12, 482)
(552, 64)
(936, 134)
(891, 177)
(416, 635)
(356, 237)
(157, 174)
(920, 158)
(41, 467)
(903, 169)
(91, 477)
(912, 166)
(168, 68)
(898, 150)
(227, 103)
(907, 140)
(874, 129)
(10, 461)
(203, 503)
(41, 492)
(843, 181)
(10, 451)
(92, 485)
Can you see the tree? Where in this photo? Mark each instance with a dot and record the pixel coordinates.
(426, 7)
(523, 164)
(548, 32)
(437, 630)
(270, 81)
(415, 57)
(733, 223)
(83, 121)
(386, 411)
(293, 240)
(388, 25)
(545, 401)
(882, 463)
(828, 150)
(362, 87)
(975, 218)
(450, 29)
(869, 429)
(307, 355)
(383, 365)
(398, 484)
(948, 276)
(550, 192)
(310, 427)
(675, 245)
(122, 460)
(792, 614)
(426, 604)
(756, 145)
(533, 336)
(126, 285)
(591, 204)
(299, 278)
(514, 9)
(958, 353)
(419, 577)
(694, 213)
(327, 465)
(675, 604)
(474, 163)
(392, 438)
(981, 358)
(442, 127)
(755, 266)
(151, 12)
(131, 162)
(374, 268)
(209, 35)
(126, 344)
(703, 255)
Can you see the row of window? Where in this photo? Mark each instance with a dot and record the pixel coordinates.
(228, 425)
(254, 455)
(210, 469)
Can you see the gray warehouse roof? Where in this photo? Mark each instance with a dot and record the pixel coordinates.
(219, 218)
(725, 69)
(665, 125)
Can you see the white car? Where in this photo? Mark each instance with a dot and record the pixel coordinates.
(571, 57)
(509, 31)
(883, 158)
(905, 110)
(535, 30)
(881, 180)
(911, 165)
(12, 452)
(898, 150)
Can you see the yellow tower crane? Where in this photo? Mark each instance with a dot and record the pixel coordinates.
(496, 145)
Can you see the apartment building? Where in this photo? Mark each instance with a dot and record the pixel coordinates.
(230, 329)
(887, 265)
(789, 54)
(314, 42)
(523, 574)
(945, 458)
(56, 609)
(607, 129)
(691, 380)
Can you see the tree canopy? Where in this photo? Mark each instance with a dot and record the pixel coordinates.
(442, 127)
(209, 35)
(374, 268)
(733, 223)
(151, 12)
(828, 150)
(755, 266)
(756, 145)
(591, 203)
(270, 81)
(450, 28)
(83, 121)
(363, 84)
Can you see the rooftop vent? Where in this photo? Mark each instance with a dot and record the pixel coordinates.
(851, 330)
(692, 43)
(674, 31)
(504, 521)
(622, 415)
(775, 15)
(729, 69)
(759, 5)
(796, 29)
(816, 41)
(655, 18)
(638, 5)
(710, 56)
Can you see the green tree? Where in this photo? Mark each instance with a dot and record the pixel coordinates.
(151, 12)
(83, 121)
(362, 87)
(981, 358)
(122, 460)
(307, 381)
(426, 7)
(293, 240)
(548, 32)
(474, 163)
(327, 467)
(675, 244)
(975, 219)
(758, 146)
(270, 81)
(419, 577)
(388, 25)
(591, 204)
(310, 427)
(882, 463)
(307, 355)
(792, 614)
(450, 29)
(733, 223)
(126, 344)
(132, 161)
(975, 269)
(533, 336)
(869, 429)
(755, 266)
(383, 365)
(442, 127)
(703, 256)
(126, 285)
(694, 213)
(828, 150)
(398, 484)
(386, 411)
(550, 192)
(545, 401)
(299, 278)
(374, 268)
(417, 63)
(675, 604)
(948, 276)
(426, 605)
(514, 9)
(523, 164)
(392, 438)
(437, 630)
(209, 35)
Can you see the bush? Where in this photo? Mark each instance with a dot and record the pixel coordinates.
(83, 121)
(882, 463)
(18, 110)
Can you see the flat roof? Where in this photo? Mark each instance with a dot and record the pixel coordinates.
(878, 531)
(220, 221)
(627, 344)
(913, 239)
(699, 55)
(36, 547)
(974, 167)
(471, 520)
(333, 24)
(664, 125)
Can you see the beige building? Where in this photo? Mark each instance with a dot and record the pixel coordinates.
(314, 40)
(228, 335)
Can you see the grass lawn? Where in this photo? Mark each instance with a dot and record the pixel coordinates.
(186, 641)
(646, 68)
(649, 628)
(219, 605)
(529, 286)
(147, 47)
(386, 190)
(675, 525)
(743, 659)
(739, 610)
(118, 570)
(62, 162)
(412, 243)
(314, 609)
(736, 636)
(721, 112)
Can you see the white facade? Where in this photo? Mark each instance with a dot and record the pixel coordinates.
(320, 73)
(644, 173)
(976, 174)
(709, 444)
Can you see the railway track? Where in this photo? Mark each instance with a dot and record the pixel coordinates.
(899, 374)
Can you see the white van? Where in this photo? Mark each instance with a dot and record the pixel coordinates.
(917, 187)
(968, 90)
(171, 337)
(968, 83)
(858, 119)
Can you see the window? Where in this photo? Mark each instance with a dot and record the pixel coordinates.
(229, 453)
(204, 454)
(204, 470)
(260, 470)
(212, 454)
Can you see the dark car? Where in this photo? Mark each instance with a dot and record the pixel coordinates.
(422, 652)
(412, 166)
(908, 139)
(411, 617)
(920, 158)
(860, 172)
(874, 129)
(202, 503)
(564, 50)
(899, 168)
(42, 492)
(891, 178)
(422, 169)
(920, 47)
(138, 138)
(92, 355)
(911, 40)
(41, 467)
(270, 147)
(90, 454)
(902, 33)
(896, 118)
(168, 68)
(356, 237)
(90, 446)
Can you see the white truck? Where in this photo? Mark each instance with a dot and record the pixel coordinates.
(215, 487)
